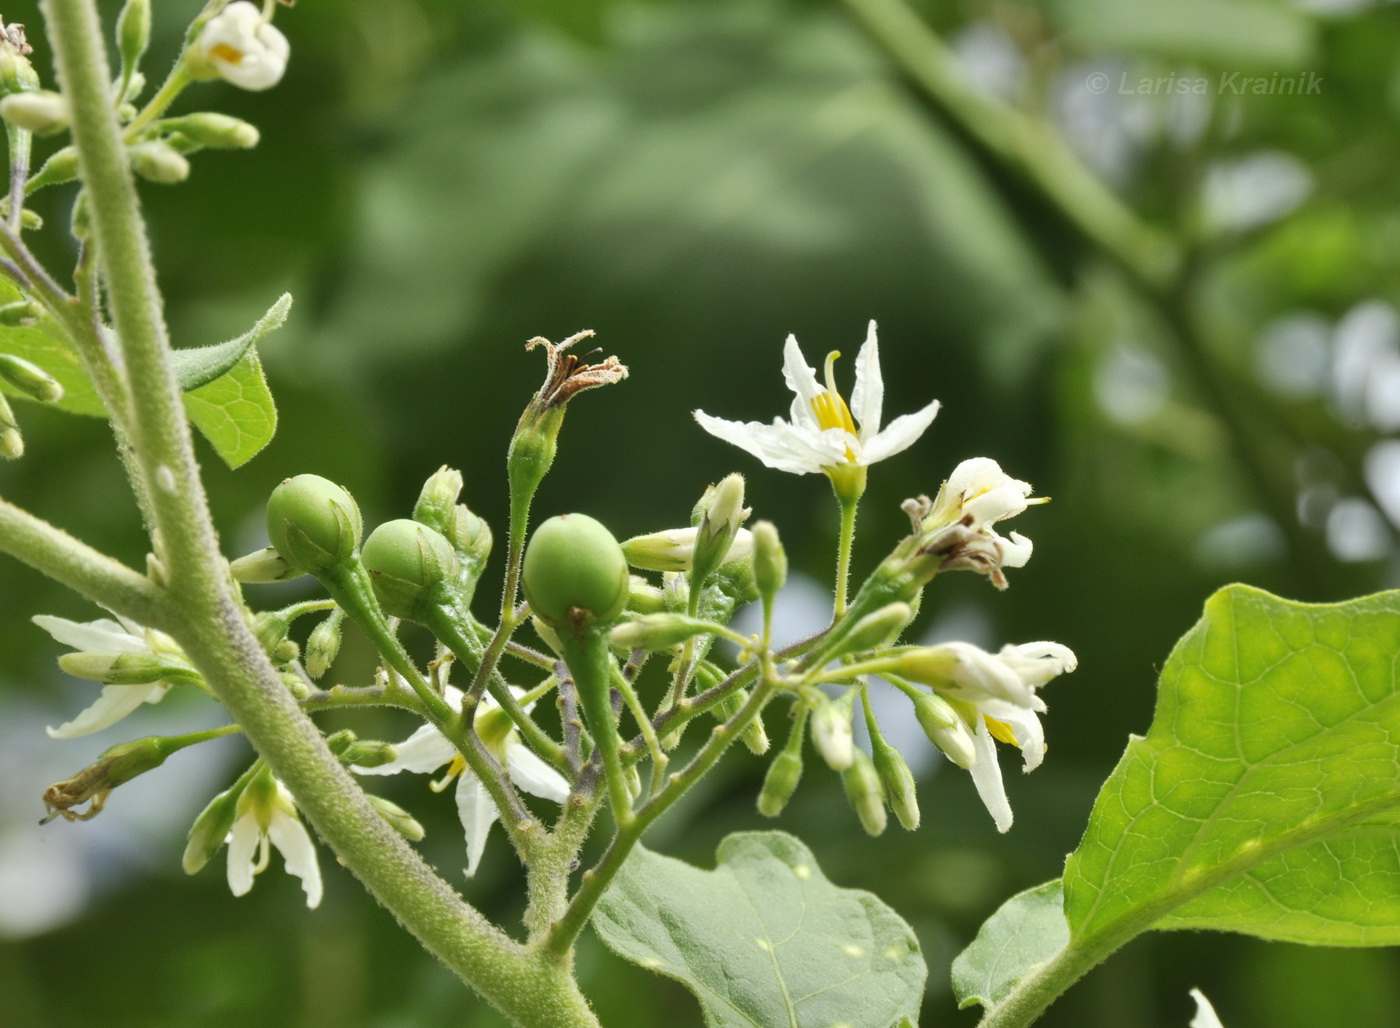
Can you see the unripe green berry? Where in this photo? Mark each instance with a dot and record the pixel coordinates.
(865, 792)
(408, 562)
(780, 783)
(575, 572)
(313, 523)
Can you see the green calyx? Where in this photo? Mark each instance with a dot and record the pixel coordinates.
(313, 523)
(408, 564)
(575, 573)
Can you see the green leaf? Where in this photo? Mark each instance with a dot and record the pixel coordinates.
(1267, 784)
(235, 412)
(1025, 932)
(201, 365)
(42, 344)
(765, 939)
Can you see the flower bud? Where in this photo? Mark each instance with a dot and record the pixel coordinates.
(20, 314)
(313, 523)
(409, 564)
(157, 161)
(270, 628)
(770, 564)
(574, 572)
(780, 783)
(945, 728)
(876, 628)
(215, 131)
(63, 167)
(366, 753)
(719, 524)
(655, 631)
(29, 379)
(17, 75)
(402, 821)
(643, 597)
(865, 793)
(39, 111)
(674, 549)
(120, 668)
(133, 32)
(11, 442)
(754, 736)
(210, 829)
(831, 731)
(436, 506)
(470, 536)
(323, 644)
(549, 636)
(897, 780)
(261, 567)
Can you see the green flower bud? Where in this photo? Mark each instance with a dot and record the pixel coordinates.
(898, 781)
(270, 627)
(470, 536)
(831, 731)
(369, 753)
(216, 131)
(402, 821)
(133, 32)
(780, 783)
(719, 524)
(655, 631)
(122, 668)
(574, 572)
(39, 111)
(877, 628)
(313, 523)
(324, 644)
(770, 564)
(864, 791)
(210, 829)
(62, 167)
(20, 314)
(30, 379)
(549, 636)
(11, 442)
(261, 567)
(643, 597)
(17, 75)
(157, 161)
(945, 728)
(754, 736)
(436, 506)
(409, 564)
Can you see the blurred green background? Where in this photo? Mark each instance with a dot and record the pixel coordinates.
(438, 181)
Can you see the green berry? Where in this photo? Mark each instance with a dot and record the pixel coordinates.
(407, 563)
(313, 523)
(574, 569)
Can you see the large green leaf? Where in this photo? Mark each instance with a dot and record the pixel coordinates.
(765, 939)
(1023, 934)
(235, 412)
(1264, 799)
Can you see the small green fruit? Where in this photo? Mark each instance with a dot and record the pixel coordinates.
(573, 563)
(407, 562)
(313, 523)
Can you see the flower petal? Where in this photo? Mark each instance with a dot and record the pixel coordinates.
(423, 752)
(802, 380)
(1206, 1017)
(290, 836)
(532, 774)
(114, 703)
(899, 434)
(242, 851)
(1030, 735)
(101, 636)
(779, 445)
(868, 396)
(478, 814)
(986, 776)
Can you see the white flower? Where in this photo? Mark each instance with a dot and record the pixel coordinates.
(267, 816)
(106, 650)
(822, 434)
(976, 496)
(997, 696)
(427, 749)
(1206, 1016)
(674, 549)
(240, 46)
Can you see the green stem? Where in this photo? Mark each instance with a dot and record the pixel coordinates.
(591, 666)
(204, 614)
(659, 759)
(95, 575)
(849, 504)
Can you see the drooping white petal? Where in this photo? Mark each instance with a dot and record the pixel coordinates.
(986, 776)
(1206, 1017)
(532, 774)
(423, 752)
(868, 396)
(1038, 662)
(290, 836)
(1025, 725)
(1015, 551)
(242, 853)
(997, 503)
(978, 675)
(899, 434)
(478, 814)
(801, 378)
(101, 636)
(112, 704)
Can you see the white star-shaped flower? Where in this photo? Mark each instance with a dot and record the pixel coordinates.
(267, 816)
(240, 46)
(976, 496)
(427, 749)
(106, 650)
(822, 433)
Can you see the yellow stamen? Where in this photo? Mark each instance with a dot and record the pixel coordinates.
(224, 52)
(830, 408)
(1001, 731)
(454, 769)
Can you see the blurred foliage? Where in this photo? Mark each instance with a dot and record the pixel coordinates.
(437, 182)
